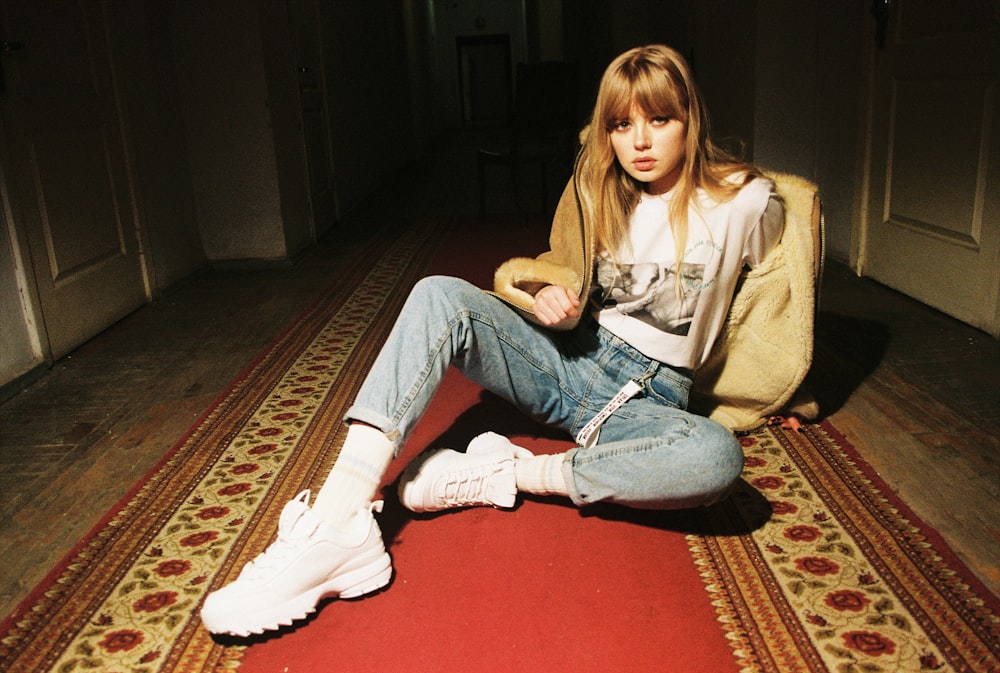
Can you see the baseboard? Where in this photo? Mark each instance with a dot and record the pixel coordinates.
(252, 264)
(15, 386)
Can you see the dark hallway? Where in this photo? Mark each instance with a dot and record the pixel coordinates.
(914, 391)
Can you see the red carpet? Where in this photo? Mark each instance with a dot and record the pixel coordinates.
(813, 565)
(545, 587)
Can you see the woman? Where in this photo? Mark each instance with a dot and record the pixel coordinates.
(600, 336)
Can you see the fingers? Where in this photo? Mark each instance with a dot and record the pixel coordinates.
(555, 303)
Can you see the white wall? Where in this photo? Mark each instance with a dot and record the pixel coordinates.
(157, 143)
(224, 103)
(239, 102)
(368, 65)
(808, 101)
(786, 91)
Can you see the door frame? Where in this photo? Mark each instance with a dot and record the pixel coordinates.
(23, 267)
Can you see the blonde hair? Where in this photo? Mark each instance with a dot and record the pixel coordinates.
(656, 80)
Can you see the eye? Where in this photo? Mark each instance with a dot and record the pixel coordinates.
(621, 125)
(660, 121)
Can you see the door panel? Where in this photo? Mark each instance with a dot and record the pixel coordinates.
(933, 207)
(68, 168)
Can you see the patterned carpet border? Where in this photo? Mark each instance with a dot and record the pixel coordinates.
(843, 576)
(836, 576)
(126, 598)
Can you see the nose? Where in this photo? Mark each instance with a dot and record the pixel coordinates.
(640, 135)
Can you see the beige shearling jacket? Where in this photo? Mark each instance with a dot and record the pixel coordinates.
(765, 349)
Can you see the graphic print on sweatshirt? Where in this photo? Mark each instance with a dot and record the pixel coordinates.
(648, 291)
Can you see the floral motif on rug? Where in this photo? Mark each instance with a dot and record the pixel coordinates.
(841, 577)
(128, 598)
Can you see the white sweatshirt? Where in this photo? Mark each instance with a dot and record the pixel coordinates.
(640, 301)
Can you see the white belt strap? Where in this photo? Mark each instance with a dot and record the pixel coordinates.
(589, 433)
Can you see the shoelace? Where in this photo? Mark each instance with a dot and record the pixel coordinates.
(290, 533)
(469, 487)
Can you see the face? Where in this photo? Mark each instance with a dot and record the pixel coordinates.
(650, 149)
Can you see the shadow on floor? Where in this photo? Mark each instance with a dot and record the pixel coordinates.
(847, 351)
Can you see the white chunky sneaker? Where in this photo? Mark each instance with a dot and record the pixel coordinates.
(483, 475)
(309, 561)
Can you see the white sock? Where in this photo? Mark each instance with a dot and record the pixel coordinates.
(355, 477)
(541, 475)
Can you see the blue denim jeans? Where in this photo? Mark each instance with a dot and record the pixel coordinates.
(651, 453)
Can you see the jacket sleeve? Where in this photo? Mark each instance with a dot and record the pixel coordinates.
(764, 352)
(517, 280)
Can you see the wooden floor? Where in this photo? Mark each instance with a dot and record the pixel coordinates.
(914, 391)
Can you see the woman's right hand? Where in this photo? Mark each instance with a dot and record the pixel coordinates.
(555, 304)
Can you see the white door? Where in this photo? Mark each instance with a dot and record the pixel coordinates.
(932, 224)
(67, 168)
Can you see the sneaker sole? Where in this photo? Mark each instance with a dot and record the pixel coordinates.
(354, 584)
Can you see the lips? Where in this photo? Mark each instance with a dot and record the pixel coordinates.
(644, 163)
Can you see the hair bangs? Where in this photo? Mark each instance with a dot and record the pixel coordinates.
(652, 91)
(658, 96)
(617, 102)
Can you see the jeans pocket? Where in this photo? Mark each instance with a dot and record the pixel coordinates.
(670, 387)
